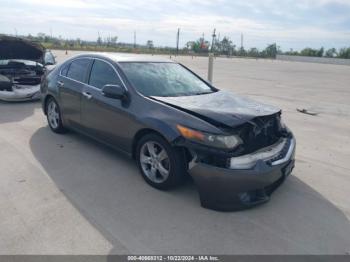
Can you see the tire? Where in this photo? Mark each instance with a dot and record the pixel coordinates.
(5, 84)
(173, 161)
(53, 115)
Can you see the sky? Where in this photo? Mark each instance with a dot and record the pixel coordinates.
(291, 24)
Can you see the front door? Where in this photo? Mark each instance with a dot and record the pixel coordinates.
(104, 118)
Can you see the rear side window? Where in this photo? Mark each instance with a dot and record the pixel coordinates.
(78, 69)
(103, 74)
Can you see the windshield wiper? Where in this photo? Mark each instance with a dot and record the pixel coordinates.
(203, 93)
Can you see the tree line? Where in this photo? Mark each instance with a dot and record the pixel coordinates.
(201, 46)
(226, 47)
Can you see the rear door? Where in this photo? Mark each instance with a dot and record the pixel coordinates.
(104, 118)
(71, 83)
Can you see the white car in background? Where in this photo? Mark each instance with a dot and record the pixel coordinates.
(22, 65)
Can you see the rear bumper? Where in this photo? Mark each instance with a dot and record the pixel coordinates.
(228, 189)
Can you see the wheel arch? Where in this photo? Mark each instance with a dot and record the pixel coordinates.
(145, 131)
(46, 99)
(141, 133)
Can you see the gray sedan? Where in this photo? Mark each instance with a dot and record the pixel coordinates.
(173, 123)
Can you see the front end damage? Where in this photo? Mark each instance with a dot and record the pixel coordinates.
(20, 80)
(21, 69)
(248, 175)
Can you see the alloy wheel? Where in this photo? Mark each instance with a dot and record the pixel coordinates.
(155, 162)
(53, 114)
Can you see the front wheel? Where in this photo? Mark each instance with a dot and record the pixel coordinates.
(161, 165)
(53, 115)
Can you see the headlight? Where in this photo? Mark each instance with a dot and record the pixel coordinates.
(281, 124)
(219, 141)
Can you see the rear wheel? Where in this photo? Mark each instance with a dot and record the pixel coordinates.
(161, 165)
(53, 115)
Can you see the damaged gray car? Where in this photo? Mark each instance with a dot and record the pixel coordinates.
(22, 65)
(173, 123)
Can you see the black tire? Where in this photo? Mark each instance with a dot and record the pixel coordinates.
(5, 83)
(59, 128)
(176, 158)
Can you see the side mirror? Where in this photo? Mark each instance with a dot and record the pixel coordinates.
(114, 91)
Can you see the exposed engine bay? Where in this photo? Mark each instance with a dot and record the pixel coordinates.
(23, 64)
(19, 74)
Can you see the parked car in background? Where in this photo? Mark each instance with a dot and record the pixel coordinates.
(22, 65)
(173, 123)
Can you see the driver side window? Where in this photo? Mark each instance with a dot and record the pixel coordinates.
(103, 74)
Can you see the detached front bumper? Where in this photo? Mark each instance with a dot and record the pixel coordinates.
(21, 93)
(229, 189)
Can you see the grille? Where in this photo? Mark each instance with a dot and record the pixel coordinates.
(260, 132)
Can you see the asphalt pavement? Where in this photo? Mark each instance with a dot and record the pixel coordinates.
(66, 194)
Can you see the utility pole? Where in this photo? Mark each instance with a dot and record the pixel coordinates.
(51, 32)
(135, 39)
(210, 67)
(99, 39)
(177, 41)
(212, 41)
(241, 41)
(15, 31)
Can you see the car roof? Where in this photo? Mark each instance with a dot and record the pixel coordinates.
(120, 57)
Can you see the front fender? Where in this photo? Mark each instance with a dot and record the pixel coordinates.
(169, 131)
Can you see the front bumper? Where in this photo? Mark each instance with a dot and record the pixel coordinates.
(21, 93)
(229, 189)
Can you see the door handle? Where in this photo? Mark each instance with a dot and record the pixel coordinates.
(87, 95)
(60, 84)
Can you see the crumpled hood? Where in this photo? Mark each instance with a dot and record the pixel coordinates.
(18, 48)
(220, 107)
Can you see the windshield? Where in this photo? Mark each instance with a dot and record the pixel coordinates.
(163, 79)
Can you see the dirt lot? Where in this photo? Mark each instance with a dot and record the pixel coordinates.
(65, 194)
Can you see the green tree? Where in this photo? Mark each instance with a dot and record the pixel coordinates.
(149, 44)
(226, 45)
(309, 52)
(242, 52)
(99, 41)
(113, 41)
(320, 52)
(344, 53)
(270, 51)
(253, 52)
(201, 45)
(332, 52)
